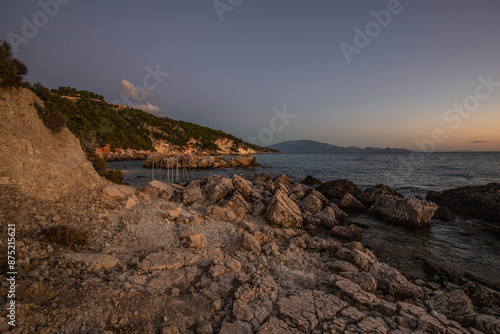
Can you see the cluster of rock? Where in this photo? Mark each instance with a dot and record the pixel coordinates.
(193, 161)
(225, 255)
(121, 154)
(480, 202)
(381, 202)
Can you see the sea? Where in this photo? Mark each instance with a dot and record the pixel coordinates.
(464, 246)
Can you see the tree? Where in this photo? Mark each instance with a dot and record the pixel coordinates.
(12, 70)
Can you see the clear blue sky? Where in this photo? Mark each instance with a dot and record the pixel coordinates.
(230, 74)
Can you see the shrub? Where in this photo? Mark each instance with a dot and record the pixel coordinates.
(51, 117)
(115, 176)
(12, 70)
(67, 236)
(100, 165)
(42, 92)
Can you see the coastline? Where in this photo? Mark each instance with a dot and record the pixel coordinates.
(200, 269)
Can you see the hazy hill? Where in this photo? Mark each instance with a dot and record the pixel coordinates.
(311, 146)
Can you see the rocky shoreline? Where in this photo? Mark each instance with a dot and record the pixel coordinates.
(228, 255)
(194, 161)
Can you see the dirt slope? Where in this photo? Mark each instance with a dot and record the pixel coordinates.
(33, 159)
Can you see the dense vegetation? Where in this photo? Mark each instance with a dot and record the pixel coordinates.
(97, 123)
(12, 70)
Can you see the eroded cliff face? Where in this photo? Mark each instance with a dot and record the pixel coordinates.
(34, 160)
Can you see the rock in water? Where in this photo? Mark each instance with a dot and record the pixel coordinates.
(350, 204)
(371, 195)
(411, 212)
(311, 181)
(338, 188)
(283, 212)
(481, 202)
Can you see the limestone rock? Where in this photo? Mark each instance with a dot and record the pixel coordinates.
(160, 189)
(197, 241)
(350, 204)
(254, 302)
(393, 282)
(238, 205)
(249, 243)
(310, 204)
(371, 195)
(221, 214)
(327, 217)
(455, 305)
(338, 188)
(193, 195)
(244, 187)
(411, 212)
(283, 212)
(306, 310)
(349, 233)
(218, 188)
(94, 261)
(297, 192)
(311, 181)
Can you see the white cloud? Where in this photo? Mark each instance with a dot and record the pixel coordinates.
(133, 93)
(148, 107)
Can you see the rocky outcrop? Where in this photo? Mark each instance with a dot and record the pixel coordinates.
(35, 160)
(283, 212)
(373, 194)
(121, 154)
(480, 202)
(350, 204)
(337, 189)
(311, 181)
(192, 161)
(410, 212)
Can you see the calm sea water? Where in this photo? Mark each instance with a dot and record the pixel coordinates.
(462, 246)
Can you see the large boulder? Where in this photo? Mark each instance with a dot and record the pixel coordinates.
(481, 202)
(310, 204)
(391, 281)
(297, 192)
(160, 189)
(311, 181)
(217, 188)
(371, 195)
(282, 182)
(338, 188)
(242, 161)
(455, 305)
(411, 212)
(350, 204)
(238, 205)
(244, 187)
(349, 233)
(283, 212)
(193, 195)
(327, 217)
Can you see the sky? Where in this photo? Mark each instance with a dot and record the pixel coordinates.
(413, 74)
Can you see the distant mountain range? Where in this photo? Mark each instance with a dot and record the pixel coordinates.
(311, 146)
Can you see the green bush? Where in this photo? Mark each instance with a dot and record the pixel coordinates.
(12, 70)
(115, 176)
(100, 165)
(51, 117)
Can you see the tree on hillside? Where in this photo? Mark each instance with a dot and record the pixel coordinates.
(12, 70)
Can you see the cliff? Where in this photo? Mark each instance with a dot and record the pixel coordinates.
(35, 160)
